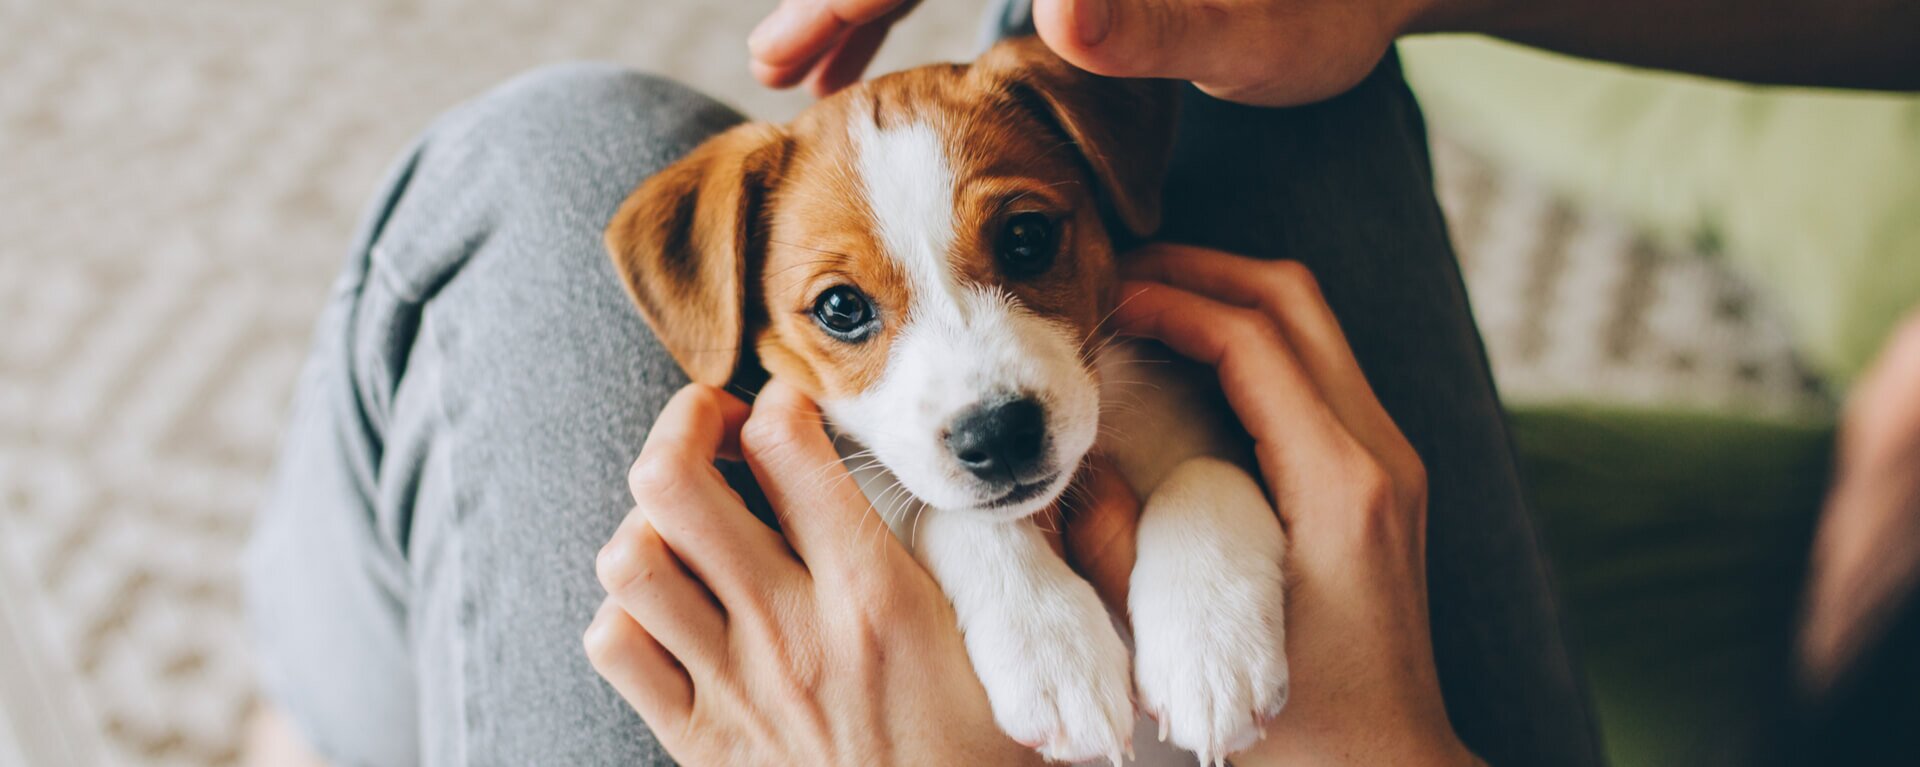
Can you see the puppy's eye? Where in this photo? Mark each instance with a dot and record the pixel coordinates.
(843, 312)
(1027, 245)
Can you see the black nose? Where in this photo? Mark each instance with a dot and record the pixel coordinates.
(999, 439)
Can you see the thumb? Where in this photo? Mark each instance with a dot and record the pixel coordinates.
(1178, 39)
(822, 510)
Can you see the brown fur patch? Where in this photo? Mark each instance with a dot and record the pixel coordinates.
(1024, 133)
(1005, 162)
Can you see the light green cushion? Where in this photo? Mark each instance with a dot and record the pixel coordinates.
(1813, 194)
(1679, 542)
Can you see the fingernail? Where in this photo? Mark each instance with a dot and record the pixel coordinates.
(1091, 21)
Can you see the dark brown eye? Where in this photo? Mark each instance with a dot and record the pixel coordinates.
(1026, 246)
(843, 312)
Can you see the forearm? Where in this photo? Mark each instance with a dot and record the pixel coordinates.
(1871, 44)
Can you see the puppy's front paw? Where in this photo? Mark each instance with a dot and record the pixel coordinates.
(1206, 601)
(1056, 672)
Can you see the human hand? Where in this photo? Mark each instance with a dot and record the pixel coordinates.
(1348, 486)
(1863, 558)
(1261, 52)
(1258, 52)
(824, 43)
(828, 646)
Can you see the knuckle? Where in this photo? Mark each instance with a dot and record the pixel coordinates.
(703, 398)
(770, 434)
(654, 478)
(1413, 479)
(1247, 326)
(603, 642)
(1292, 275)
(1291, 284)
(1407, 472)
(621, 562)
(1371, 483)
(1380, 504)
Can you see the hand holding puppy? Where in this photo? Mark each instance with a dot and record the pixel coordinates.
(739, 647)
(1260, 52)
(1349, 489)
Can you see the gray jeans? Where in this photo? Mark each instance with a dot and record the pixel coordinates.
(420, 578)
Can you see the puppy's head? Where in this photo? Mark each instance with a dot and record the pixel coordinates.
(929, 255)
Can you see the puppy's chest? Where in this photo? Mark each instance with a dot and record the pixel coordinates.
(1156, 412)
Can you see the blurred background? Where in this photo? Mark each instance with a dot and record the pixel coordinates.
(1676, 280)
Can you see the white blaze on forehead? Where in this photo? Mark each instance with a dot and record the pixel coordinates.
(956, 345)
(909, 189)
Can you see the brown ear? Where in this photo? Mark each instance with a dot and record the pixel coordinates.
(1124, 128)
(684, 241)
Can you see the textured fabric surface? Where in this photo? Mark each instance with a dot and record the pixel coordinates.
(178, 185)
(1811, 192)
(423, 569)
(1577, 307)
(1680, 542)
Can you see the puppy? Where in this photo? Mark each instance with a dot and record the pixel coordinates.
(930, 255)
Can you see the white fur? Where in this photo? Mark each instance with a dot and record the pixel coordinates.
(1205, 599)
(959, 344)
(1041, 641)
(1206, 594)
(909, 188)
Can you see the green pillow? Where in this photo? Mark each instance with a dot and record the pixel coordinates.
(1679, 542)
(1814, 195)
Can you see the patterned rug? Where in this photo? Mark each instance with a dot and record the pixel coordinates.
(177, 184)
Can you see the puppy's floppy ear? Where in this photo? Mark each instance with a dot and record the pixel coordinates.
(1124, 128)
(687, 241)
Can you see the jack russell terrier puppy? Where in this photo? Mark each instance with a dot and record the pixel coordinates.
(930, 256)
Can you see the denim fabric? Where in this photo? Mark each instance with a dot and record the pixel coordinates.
(420, 578)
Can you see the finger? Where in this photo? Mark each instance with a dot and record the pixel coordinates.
(799, 31)
(700, 422)
(780, 77)
(677, 488)
(822, 510)
(847, 61)
(1288, 294)
(1284, 290)
(639, 668)
(644, 577)
(1101, 519)
(1881, 414)
(1298, 439)
(1205, 42)
(795, 34)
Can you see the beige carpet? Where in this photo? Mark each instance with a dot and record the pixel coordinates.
(177, 183)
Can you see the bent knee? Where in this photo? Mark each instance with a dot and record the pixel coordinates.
(589, 86)
(573, 129)
(581, 104)
(550, 155)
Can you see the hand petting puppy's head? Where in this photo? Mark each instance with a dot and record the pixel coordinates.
(927, 254)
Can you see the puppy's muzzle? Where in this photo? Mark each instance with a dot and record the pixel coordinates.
(1002, 442)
